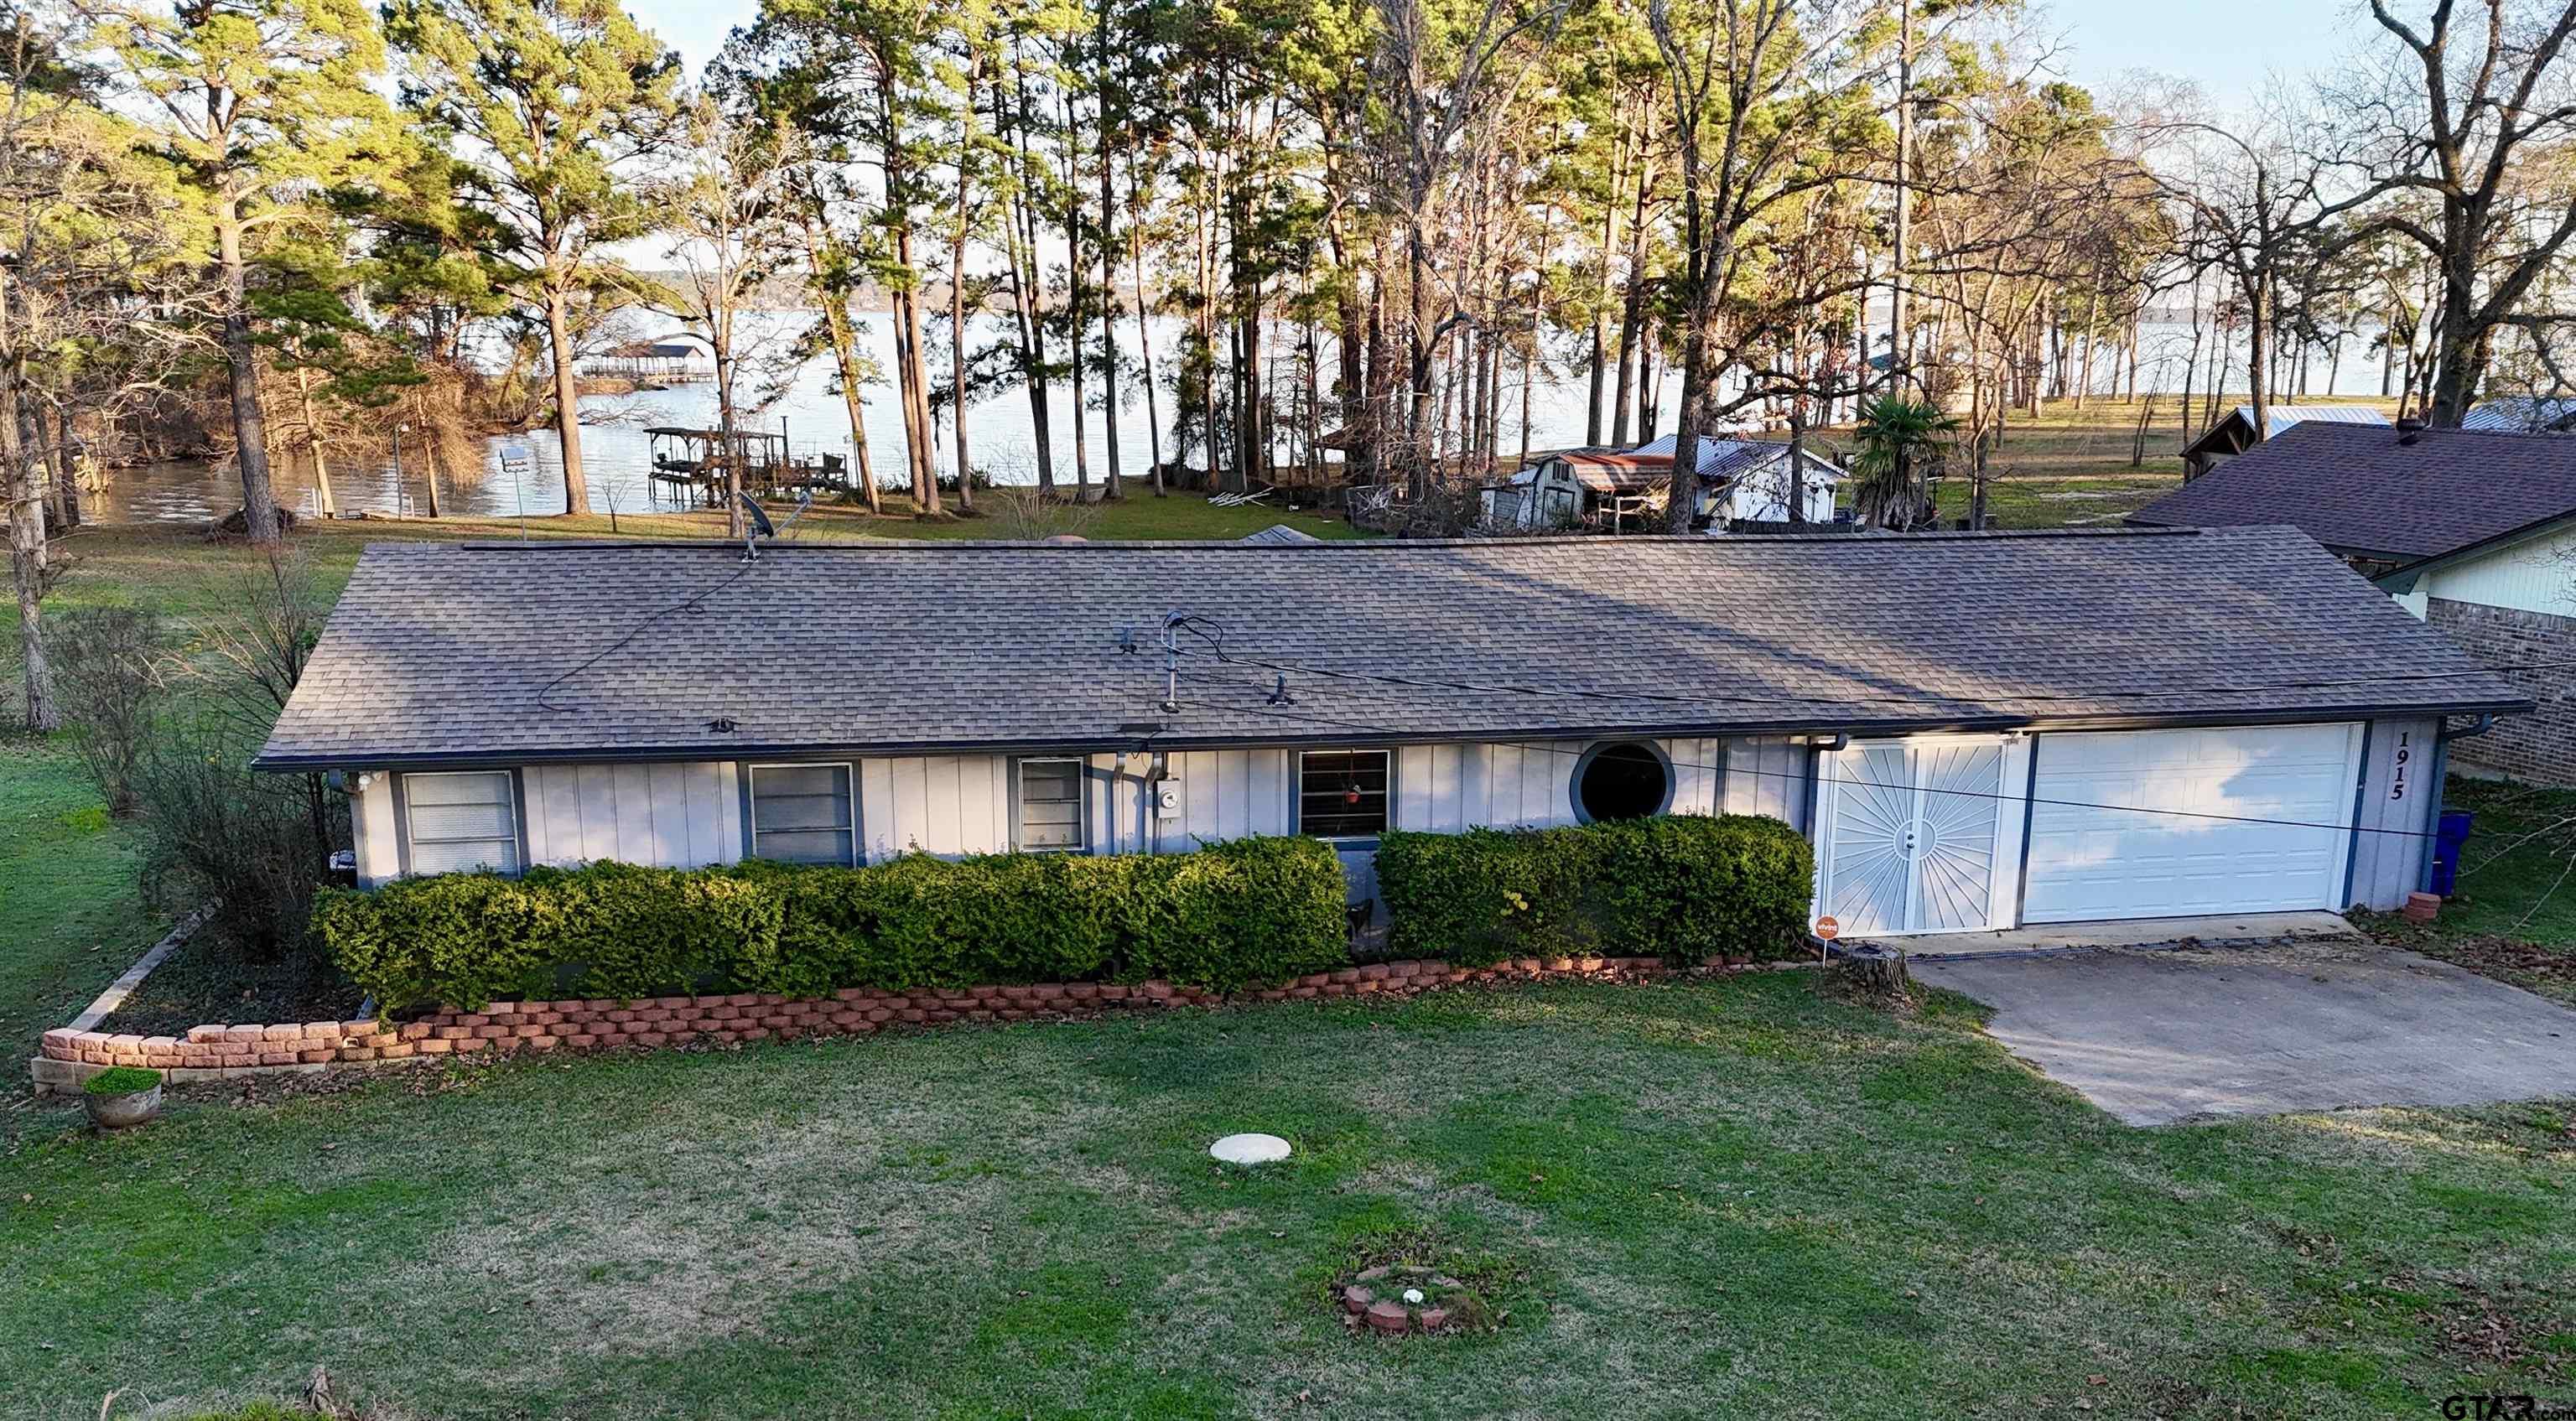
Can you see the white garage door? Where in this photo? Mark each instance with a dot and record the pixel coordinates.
(2144, 824)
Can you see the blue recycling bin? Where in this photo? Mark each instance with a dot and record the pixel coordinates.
(2448, 836)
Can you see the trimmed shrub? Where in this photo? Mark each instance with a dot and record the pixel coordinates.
(1684, 887)
(1254, 911)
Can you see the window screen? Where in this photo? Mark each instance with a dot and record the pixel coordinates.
(1341, 794)
(1050, 804)
(801, 814)
(462, 821)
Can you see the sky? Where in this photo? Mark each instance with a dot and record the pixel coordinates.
(2228, 46)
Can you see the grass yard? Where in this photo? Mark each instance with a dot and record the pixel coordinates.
(2070, 468)
(178, 570)
(69, 919)
(2514, 916)
(1737, 1198)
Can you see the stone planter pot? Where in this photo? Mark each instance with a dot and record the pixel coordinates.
(119, 1112)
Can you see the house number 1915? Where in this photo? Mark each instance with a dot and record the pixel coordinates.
(2397, 776)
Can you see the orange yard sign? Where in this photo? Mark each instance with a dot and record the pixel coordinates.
(1828, 929)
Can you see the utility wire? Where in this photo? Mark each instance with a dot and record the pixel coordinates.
(1582, 693)
(638, 630)
(1823, 778)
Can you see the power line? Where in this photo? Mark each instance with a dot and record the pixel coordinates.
(1585, 693)
(1821, 778)
(638, 630)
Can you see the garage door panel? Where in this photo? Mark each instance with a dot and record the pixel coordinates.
(2157, 823)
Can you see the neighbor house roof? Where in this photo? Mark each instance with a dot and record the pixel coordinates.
(2522, 414)
(1732, 458)
(520, 652)
(2277, 418)
(2367, 491)
(1604, 472)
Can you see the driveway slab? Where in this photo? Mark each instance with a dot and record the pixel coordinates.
(2157, 1037)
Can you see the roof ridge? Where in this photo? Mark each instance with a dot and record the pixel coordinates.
(1871, 537)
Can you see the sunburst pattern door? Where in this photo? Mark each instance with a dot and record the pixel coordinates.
(1872, 888)
(1958, 799)
(1915, 830)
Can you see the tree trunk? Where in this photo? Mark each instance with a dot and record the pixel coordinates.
(1144, 331)
(1028, 282)
(1108, 282)
(26, 519)
(313, 437)
(845, 358)
(957, 289)
(728, 448)
(241, 369)
(567, 402)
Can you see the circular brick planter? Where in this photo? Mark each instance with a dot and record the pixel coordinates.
(1375, 1301)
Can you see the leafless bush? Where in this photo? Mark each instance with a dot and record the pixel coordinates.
(108, 674)
(1024, 516)
(256, 845)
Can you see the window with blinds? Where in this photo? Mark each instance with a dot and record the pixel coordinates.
(1051, 806)
(464, 821)
(801, 814)
(1341, 794)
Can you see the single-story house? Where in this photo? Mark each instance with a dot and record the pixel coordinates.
(2475, 533)
(2234, 432)
(1750, 479)
(1741, 480)
(1976, 730)
(1581, 488)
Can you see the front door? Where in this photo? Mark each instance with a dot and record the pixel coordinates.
(1919, 834)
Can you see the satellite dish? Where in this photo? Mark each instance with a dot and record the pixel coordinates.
(760, 523)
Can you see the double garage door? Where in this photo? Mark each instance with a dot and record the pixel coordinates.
(1941, 834)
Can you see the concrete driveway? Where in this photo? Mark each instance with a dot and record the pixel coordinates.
(2157, 1037)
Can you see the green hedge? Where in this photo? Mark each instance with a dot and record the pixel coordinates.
(1686, 887)
(1253, 911)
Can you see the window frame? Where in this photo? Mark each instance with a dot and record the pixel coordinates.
(1297, 795)
(1592, 752)
(1081, 804)
(751, 808)
(517, 801)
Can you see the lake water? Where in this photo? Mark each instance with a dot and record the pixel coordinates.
(523, 474)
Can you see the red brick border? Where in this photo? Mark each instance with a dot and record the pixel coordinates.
(603, 1024)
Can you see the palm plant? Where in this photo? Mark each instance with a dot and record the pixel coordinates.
(1896, 441)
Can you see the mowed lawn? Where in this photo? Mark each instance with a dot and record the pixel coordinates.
(1732, 1198)
(70, 921)
(2514, 916)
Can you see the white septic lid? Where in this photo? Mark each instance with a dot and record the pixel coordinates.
(1250, 1149)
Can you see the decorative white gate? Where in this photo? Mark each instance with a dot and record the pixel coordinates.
(1920, 835)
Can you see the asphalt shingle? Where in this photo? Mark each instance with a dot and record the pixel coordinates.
(444, 651)
(2358, 489)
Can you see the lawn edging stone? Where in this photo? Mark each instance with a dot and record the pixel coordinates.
(221, 1051)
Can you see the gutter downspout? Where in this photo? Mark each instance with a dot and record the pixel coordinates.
(2442, 739)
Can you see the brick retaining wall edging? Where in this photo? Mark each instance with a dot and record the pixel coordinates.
(218, 1052)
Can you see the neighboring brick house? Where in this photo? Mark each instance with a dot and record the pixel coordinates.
(2473, 531)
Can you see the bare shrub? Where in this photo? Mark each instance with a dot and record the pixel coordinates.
(255, 845)
(108, 675)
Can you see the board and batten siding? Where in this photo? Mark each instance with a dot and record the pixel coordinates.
(2398, 799)
(684, 815)
(938, 804)
(659, 815)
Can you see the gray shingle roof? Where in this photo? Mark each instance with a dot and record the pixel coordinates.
(2357, 489)
(443, 651)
